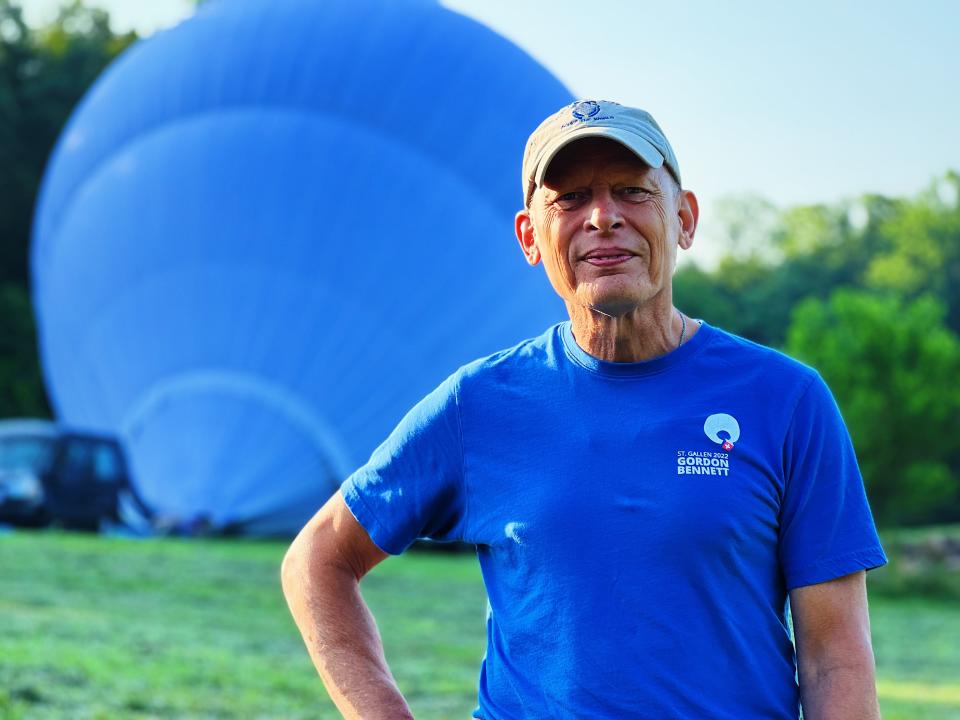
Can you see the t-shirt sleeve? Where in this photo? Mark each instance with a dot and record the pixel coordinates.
(412, 486)
(826, 529)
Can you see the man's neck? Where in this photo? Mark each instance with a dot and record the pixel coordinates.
(641, 334)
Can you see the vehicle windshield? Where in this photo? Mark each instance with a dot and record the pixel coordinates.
(86, 459)
(26, 453)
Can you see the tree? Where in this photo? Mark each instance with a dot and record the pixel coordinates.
(921, 252)
(21, 387)
(42, 76)
(43, 73)
(775, 259)
(893, 367)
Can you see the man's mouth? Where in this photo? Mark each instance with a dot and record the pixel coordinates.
(606, 258)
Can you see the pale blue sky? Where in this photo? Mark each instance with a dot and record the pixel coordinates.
(796, 102)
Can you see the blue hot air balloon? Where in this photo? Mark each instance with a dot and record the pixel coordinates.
(267, 232)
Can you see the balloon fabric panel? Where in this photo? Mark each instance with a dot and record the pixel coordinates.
(267, 232)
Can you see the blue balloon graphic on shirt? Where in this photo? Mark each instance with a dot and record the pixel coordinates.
(722, 423)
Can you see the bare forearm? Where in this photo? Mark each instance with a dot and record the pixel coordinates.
(343, 641)
(846, 692)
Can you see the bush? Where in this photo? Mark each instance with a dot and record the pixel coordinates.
(893, 367)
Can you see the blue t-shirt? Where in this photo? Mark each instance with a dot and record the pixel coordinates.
(638, 525)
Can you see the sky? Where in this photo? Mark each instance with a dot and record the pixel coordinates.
(820, 101)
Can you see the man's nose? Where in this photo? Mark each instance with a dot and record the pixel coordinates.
(604, 215)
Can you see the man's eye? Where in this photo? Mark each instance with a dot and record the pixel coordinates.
(633, 191)
(569, 199)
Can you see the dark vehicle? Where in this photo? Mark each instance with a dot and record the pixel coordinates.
(53, 474)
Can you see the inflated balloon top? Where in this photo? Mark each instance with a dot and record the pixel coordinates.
(266, 232)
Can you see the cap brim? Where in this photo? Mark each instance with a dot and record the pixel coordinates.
(636, 144)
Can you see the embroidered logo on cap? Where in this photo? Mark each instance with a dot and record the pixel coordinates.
(585, 109)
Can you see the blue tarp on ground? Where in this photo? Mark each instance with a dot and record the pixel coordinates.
(266, 232)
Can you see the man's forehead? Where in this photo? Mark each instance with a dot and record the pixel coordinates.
(590, 153)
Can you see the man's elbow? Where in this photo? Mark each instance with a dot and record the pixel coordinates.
(330, 554)
(852, 655)
(304, 560)
(294, 568)
(840, 685)
(855, 669)
(311, 563)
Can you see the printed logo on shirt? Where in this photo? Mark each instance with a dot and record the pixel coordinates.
(722, 429)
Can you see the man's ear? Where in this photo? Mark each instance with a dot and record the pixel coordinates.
(689, 214)
(523, 226)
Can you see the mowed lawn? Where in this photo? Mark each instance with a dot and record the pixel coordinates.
(109, 628)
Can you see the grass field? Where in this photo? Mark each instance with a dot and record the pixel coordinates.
(99, 628)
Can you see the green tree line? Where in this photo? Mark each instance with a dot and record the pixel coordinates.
(43, 73)
(867, 292)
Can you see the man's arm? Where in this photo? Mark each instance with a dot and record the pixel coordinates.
(834, 653)
(321, 574)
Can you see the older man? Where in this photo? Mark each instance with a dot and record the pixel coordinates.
(644, 490)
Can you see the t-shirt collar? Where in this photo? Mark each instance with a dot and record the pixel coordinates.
(633, 369)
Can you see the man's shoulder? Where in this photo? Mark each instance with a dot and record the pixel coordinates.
(729, 348)
(527, 356)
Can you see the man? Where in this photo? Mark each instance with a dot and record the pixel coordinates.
(644, 490)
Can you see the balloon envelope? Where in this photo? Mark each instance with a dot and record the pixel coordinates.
(267, 232)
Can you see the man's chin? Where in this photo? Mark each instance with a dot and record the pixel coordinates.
(614, 296)
(615, 307)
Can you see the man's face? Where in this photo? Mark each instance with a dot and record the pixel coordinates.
(607, 227)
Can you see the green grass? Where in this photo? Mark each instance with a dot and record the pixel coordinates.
(108, 628)
(916, 643)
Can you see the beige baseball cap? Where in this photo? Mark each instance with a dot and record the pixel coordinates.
(633, 128)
